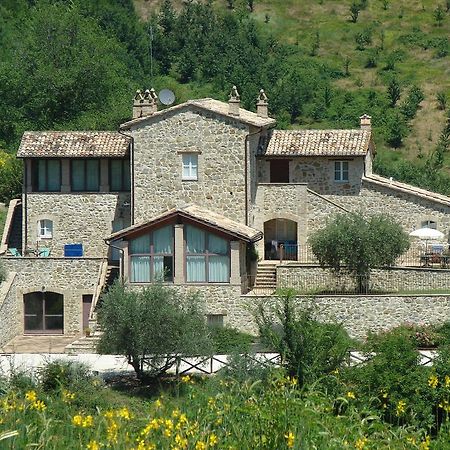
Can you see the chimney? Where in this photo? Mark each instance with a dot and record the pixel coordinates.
(262, 105)
(234, 102)
(365, 122)
(145, 104)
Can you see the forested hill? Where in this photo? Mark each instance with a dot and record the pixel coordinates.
(74, 64)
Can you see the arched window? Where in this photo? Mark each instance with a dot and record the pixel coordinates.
(45, 229)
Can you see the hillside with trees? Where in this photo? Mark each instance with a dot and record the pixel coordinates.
(323, 63)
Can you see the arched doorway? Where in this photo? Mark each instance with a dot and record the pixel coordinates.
(277, 232)
(43, 313)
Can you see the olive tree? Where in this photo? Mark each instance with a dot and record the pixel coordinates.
(353, 244)
(153, 328)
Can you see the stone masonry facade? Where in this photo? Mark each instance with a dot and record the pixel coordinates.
(72, 278)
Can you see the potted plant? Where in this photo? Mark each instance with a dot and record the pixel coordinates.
(87, 332)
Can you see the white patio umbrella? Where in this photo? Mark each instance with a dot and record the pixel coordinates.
(427, 234)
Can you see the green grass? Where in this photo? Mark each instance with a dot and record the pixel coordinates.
(2, 220)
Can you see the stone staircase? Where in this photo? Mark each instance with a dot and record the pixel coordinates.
(266, 278)
(88, 344)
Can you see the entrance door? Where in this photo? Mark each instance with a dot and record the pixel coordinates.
(87, 302)
(44, 313)
(277, 232)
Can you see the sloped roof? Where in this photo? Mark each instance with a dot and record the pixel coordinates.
(200, 215)
(211, 105)
(317, 143)
(73, 144)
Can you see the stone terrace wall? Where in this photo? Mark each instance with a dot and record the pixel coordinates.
(9, 308)
(84, 218)
(385, 280)
(363, 314)
(220, 145)
(71, 277)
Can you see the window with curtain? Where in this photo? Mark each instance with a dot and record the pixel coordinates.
(45, 229)
(46, 175)
(151, 256)
(207, 257)
(119, 175)
(85, 175)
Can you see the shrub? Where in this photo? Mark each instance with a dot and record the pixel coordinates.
(228, 340)
(64, 374)
(2, 273)
(309, 349)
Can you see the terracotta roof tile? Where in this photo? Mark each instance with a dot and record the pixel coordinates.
(208, 104)
(317, 143)
(73, 144)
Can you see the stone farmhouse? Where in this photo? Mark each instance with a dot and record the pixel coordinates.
(205, 196)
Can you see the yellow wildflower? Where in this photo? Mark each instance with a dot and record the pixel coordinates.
(445, 405)
(168, 424)
(158, 403)
(360, 443)
(124, 413)
(290, 439)
(109, 414)
(39, 405)
(77, 420)
(351, 395)
(112, 431)
(87, 422)
(175, 413)
(425, 445)
(167, 432)
(401, 408)
(212, 440)
(183, 419)
(181, 441)
(93, 445)
(67, 396)
(433, 381)
(447, 381)
(31, 396)
(200, 445)
(187, 379)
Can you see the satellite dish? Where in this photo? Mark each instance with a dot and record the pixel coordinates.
(166, 97)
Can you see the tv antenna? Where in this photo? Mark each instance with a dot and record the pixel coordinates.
(166, 97)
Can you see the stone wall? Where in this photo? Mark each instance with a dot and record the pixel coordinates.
(9, 308)
(363, 314)
(158, 149)
(318, 173)
(410, 210)
(310, 278)
(84, 218)
(71, 277)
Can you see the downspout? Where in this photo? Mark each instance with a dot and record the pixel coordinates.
(246, 170)
(132, 173)
(25, 208)
(108, 243)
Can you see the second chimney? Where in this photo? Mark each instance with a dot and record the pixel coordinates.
(234, 102)
(262, 105)
(365, 122)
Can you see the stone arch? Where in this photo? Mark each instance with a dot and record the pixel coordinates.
(281, 233)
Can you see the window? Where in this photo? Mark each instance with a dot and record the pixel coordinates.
(119, 175)
(207, 257)
(429, 224)
(190, 166)
(151, 256)
(214, 320)
(341, 171)
(85, 175)
(46, 175)
(45, 229)
(279, 171)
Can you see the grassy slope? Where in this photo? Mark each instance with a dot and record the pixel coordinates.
(2, 219)
(298, 21)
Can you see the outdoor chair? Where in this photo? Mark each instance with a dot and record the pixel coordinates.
(14, 252)
(44, 252)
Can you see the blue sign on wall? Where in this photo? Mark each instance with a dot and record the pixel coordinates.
(73, 250)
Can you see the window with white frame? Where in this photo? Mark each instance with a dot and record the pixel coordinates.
(45, 229)
(214, 320)
(190, 166)
(341, 171)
